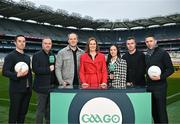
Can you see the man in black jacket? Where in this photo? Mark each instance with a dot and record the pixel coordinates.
(157, 85)
(43, 66)
(20, 81)
(136, 68)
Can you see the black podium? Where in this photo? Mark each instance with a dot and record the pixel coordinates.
(111, 106)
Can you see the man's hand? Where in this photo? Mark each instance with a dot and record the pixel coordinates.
(155, 78)
(21, 73)
(130, 84)
(65, 84)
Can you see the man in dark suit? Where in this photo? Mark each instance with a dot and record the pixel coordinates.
(157, 85)
(20, 81)
(43, 66)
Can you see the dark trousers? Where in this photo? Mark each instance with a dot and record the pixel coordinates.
(43, 108)
(19, 103)
(159, 111)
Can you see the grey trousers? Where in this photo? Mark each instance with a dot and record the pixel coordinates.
(43, 108)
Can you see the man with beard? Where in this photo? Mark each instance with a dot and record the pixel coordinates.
(43, 64)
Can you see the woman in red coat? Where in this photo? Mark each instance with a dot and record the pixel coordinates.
(93, 71)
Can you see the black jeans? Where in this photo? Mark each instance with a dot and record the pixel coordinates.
(159, 111)
(19, 103)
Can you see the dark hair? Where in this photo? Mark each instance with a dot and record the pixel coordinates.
(131, 38)
(150, 35)
(88, 42)
(109, 55)
(20, 35)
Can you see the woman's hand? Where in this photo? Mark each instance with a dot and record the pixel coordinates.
(103, 85)
(85, 85)
(111, 76)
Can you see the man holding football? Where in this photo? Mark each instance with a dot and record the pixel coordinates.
(20, 81)
(157, 84)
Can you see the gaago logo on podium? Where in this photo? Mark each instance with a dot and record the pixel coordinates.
(100, 110)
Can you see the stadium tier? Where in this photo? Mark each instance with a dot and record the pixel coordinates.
(168, 36)
(15, 19)
(12, 27)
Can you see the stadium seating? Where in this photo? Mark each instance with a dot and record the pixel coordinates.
(12, 27)
(167, 35)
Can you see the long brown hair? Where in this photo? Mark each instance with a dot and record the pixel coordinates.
(109, 54)
(88, 42)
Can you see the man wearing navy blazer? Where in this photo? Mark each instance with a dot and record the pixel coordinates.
(43, 66)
